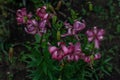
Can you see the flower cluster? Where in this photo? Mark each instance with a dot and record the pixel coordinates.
(73, 52)
(70, 53)
(33, 25)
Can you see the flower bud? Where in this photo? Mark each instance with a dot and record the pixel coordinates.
(58, 35)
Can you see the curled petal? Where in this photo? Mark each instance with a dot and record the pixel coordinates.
(41, 12)
(65, 49)
(21, 12)
(64, 35)
(42, 24)
(67, 25)
(97, 56)
(77, 47)
(71, 49)
(90, 35)
(52, 49)
(78, 26)
(30, 30)
(29, 15)
(31, 27)
(87, 59)
(20, 20)
(55, 55)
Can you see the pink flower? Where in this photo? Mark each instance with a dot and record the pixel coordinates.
(31, 27)
(78, 26)
(42, 27)
(58, 53)
(75, 52)
(88, 59)
(95, 35)
(22, 16)
(41, 12)
(75, 29)
(97, 56)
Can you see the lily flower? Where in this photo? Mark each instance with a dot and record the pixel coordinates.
(95, 35)
(41, 12)
(75, 52)
(75, 29)
(58, 53)
(22, 16)
(88, 59)
(31, 27)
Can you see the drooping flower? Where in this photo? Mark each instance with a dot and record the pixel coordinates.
(95, 35)
(58, 53)
(41, 12)
(22, 16)
(44, 17)
(75, 29)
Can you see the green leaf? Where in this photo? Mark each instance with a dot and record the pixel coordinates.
(54, 19)
(37, 38)
(105, 71)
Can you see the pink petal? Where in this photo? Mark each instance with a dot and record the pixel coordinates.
(90, 39)
(20, 20)
(97, 56)
(64, 48)
(96, 42)
(95, 30)
(64, 35)
(90, 33)
(76, 57)
(87, 59)
(29, 15)
(30, 30)
(42, 24)
(78, 26)
(68, 58)
(67, 25)
(45, 16)
(52, 49)
(100, 34)
(70, 49)
(71, 57)
(24, 13)
(55, 55)
(77, 46)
